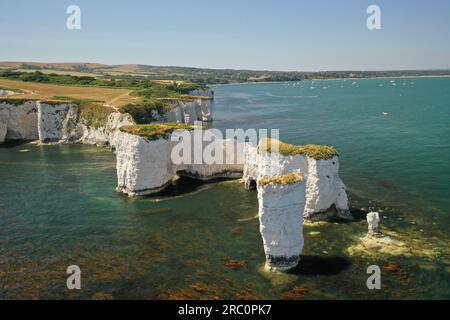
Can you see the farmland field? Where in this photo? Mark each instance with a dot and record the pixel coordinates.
(41, 91)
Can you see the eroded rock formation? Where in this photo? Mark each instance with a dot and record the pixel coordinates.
(198, 107)
(145, 166)
(281, 202)
(373, 221)
(325, 192)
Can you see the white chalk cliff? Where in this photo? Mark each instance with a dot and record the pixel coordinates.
(61, 122)
(281, 222)
(325, 192)
(145, 166)
(197, 108)
(18, 122)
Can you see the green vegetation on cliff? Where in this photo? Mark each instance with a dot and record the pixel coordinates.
(94, 115)
(155, 131)
(286, 179)
(15, 101)
(11, 89)
(143, 112)
(317, 152)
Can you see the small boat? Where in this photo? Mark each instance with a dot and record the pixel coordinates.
(385, 114)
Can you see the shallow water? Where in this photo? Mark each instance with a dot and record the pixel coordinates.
(58, 206)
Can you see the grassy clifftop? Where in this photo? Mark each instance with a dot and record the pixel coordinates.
(141, 98)
(155, 131)
(317, 152)
(94, 115)
(286, 179)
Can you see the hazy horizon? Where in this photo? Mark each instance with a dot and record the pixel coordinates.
(191, 67)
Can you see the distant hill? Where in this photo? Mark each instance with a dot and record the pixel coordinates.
(199, 75)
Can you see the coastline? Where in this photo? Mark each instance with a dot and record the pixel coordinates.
(330, 238)
(329, 79)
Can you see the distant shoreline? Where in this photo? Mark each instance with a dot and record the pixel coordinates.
(383, 77)
(331, 79)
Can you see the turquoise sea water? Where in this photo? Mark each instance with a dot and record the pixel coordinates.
(399, 159)
(58, 206)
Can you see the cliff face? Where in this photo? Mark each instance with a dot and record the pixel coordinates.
(189, 112)
(325, 192)
(19, 122)
(62, 123)
(35, 120)
(281, 223)
(145, 166)
(105, 135)
(53, 121)
(197, 108)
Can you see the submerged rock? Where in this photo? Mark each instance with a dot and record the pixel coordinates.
(236, 264)
(102, 296)
(392, 244)
(297, 292)
(395, 268)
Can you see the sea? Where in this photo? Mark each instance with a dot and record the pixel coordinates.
(59, 207)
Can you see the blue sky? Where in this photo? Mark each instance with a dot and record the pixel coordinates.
(245, 34)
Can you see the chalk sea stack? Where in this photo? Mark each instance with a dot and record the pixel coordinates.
(281, 202)
(325, 192)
